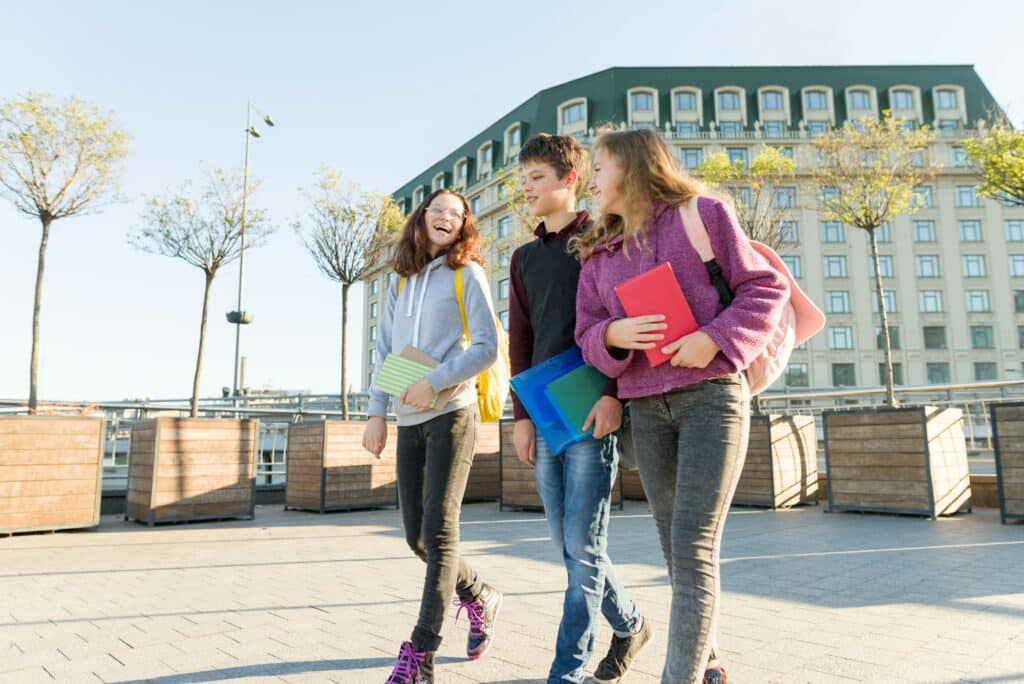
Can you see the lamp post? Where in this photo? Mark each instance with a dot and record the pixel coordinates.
(240, 317)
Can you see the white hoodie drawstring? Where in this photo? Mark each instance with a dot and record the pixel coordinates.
(419, 305)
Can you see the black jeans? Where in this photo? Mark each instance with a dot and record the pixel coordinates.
(434, 459)
(693, 448)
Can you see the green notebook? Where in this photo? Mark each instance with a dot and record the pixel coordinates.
(399, 371)
(574, 394)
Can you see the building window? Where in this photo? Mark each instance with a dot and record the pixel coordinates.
(775, 129)
(504, 226)
(686, 102)
(741, 195)
(970, 231)
(1018, 301)
(373, 287)
(686, 129)
(373, 333)
(771, 101)
(858, 99)
(835, 266)
(574, 113)
(488, 154)
(502, 191)
(504, 259)
(373, 309)
(730, 129)
(937, 373)
(984, 370)
(785, 198)
(729, 101)
(692, 157)
(843, 375)
(885, 266)
(1014, 230)
(931, 301)
(461, 172)
(738, 154)
(1016, 265)
(927, 266)
(924, 231)
(786, 152)
(965, 196)
(439, 181)
(840, 337)
(897, 373)
(982, 337)
(792, 262)
(945, 99)
(890, 301)
(817, 128)
(789, 231)
(1020, 336)
(797, 376)
(503, 318)
(474, 204)
(513, 137)
(923, 196)
(832, 231)
(372, 354)
(815, 100)
(934, 337)
(883, 233)
(973, 265)
(837, 301)
(894, 337)
(977, 301)
(901, 99)
(503, 288)
(959, 156)
(642, 102)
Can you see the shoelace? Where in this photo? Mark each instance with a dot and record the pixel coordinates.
(475, 610)
(407, 665)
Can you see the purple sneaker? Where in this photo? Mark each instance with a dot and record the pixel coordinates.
(412, 667)
(482, 614)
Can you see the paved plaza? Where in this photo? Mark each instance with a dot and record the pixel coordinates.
(299, 597)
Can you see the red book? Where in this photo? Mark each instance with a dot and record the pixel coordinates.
(657, 292)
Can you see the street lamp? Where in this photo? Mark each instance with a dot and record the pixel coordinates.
(239, 317)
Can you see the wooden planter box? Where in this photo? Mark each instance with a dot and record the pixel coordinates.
(484, 478)
(632, 488)
(51, 472)
(781, 468)
(328, 469)
(189, 469)
(1008, 439)
(518, 485)
(905, 460)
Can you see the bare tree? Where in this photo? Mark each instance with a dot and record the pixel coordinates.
(56, 160)
(348, 232)
(869, 173)
(203, 231)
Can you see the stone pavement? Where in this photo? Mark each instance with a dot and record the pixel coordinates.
(299, 597)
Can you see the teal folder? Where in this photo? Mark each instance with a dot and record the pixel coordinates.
(574, 395)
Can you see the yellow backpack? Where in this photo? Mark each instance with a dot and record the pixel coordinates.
(492, 386)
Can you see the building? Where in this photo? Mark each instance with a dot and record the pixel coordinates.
(953, 272)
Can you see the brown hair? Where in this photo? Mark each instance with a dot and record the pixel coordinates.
(649, 174)
(561, 152)
(412, 252)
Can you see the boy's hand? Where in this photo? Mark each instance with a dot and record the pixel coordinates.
(606, 417)
(419, 395)
(695, 350)
(641, 332)
(524, 437)
(375, 435)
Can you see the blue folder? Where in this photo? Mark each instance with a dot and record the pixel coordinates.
(554, 422)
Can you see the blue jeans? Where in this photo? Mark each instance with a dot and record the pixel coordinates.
(576, 487)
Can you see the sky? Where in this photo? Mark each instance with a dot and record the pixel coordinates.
(379, 91)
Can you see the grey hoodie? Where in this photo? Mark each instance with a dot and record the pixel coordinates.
(426, 316)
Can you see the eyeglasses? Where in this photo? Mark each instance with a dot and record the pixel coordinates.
(453, 213)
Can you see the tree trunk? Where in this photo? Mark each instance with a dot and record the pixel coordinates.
(344, 347)
(890, 380)
(33, 373)
(194, 404)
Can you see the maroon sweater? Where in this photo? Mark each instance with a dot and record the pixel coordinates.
(542, 310)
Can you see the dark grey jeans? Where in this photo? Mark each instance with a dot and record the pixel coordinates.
(692, 452)
(434, 459)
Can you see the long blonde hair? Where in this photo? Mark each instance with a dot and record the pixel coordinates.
(649, 174)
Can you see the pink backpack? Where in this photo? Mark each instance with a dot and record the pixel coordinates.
(801, 319)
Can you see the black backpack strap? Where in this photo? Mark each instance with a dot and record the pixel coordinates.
(718, 280)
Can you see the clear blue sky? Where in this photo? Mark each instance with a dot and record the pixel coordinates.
(380, 91)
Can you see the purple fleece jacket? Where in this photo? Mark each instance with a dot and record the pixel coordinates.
(741, 331)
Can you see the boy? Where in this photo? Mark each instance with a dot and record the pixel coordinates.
(575, 486)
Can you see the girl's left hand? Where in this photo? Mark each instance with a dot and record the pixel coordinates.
(695, 350)
(419, 395)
